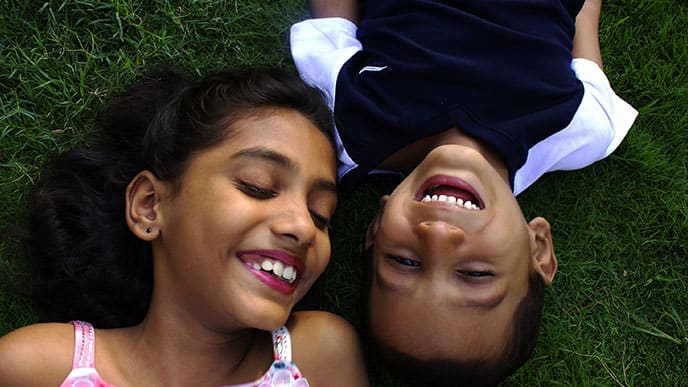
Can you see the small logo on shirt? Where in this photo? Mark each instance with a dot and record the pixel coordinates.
(372, 68)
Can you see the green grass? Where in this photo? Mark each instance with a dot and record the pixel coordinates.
(617, 313)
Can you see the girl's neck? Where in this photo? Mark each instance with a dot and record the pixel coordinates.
(160, 351)
(408, 157)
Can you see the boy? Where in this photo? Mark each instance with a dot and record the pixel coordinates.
(474, 101)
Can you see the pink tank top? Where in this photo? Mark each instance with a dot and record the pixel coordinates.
(282, 371)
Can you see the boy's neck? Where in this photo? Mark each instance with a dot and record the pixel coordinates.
(408, 157)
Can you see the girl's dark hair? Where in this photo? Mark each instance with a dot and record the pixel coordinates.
(86, 263)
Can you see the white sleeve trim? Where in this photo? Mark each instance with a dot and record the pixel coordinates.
(320, 47)
(596, 130)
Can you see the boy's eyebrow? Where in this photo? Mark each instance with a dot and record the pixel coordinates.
(264, 153)
(485, 305)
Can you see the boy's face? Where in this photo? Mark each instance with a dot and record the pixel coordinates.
(447, 278)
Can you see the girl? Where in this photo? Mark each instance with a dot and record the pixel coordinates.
(191, 238)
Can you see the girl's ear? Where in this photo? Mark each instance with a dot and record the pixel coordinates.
(542, 249)
(375, 224)
(143, 205)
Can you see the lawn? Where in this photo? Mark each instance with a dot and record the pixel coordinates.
(617, 313)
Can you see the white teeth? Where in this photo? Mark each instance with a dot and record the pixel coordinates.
(470, 205)
(288, 272)
(450, 199)
(279, 269)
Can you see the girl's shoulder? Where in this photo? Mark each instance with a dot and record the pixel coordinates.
(36, 355)
(327, 349)
(322, 326)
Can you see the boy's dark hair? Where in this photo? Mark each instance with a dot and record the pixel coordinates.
(86, 263)
(439, 373)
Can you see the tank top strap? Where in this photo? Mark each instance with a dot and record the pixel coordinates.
(281, 344)
(84, 345)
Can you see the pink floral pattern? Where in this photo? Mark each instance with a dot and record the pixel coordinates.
(282, 374)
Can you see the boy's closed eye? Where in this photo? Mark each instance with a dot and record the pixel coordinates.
(475, 274)
(413, 263)
(402, 261)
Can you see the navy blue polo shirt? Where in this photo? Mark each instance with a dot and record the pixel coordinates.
(497, 69)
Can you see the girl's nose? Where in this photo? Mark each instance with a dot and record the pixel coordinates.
(295, 223)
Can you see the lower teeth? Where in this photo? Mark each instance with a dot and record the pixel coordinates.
(290, 280)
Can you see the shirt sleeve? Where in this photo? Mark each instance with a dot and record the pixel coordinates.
(601, 122)
(320, 47)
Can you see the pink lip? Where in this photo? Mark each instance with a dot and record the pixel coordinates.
(449, 181)
(273, 282)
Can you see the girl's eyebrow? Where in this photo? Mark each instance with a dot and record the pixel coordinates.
(326, 185)
(263, 153)
(267, 154)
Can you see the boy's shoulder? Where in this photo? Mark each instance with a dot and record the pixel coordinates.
(326, 348)
(36, 355)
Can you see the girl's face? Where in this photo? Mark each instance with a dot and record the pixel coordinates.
(246, 234)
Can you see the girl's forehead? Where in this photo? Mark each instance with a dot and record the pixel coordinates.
(284, 137)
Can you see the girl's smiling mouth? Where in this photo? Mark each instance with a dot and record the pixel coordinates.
(275, 268)
(450, 190)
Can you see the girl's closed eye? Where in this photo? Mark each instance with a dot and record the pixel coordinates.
(321, 222)
(254, 190)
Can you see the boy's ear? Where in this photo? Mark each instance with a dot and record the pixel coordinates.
(542, 249)
(375, 224)
(142, 205)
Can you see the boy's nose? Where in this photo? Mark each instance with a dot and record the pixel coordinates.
(440, 235)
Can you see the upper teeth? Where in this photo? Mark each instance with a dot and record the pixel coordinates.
(451, 199)
(288, 272)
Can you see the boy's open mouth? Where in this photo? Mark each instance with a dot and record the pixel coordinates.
(451, 190)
